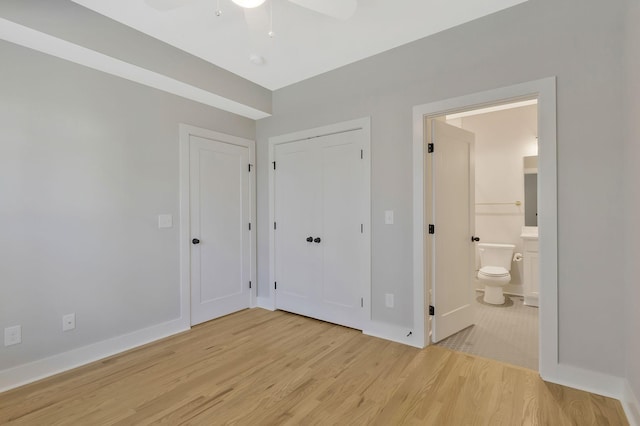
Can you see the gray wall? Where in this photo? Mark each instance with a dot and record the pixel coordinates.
(87, 162)
(77, 24)
(632, 193)
(579, 43)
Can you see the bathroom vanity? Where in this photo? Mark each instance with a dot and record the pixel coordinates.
(531, 269)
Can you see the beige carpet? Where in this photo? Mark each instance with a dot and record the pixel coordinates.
(507, 333)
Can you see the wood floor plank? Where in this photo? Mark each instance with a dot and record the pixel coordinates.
(257, 367)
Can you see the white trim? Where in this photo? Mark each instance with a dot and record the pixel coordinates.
(545, 91)
(186, 131)
(495, 108)
(45, 43)
(587, 380)
(265, 303)
(363, 124)
(253, 191)
(37, 370)
(630, 404)
(392, 332)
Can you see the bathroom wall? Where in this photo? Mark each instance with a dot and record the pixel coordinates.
(503, 138)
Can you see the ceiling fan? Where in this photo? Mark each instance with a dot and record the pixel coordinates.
(339, 9)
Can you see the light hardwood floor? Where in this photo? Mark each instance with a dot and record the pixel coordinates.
(257, 367)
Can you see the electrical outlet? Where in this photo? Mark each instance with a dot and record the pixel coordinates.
(13, 335)
(68, 322)
(388, 300)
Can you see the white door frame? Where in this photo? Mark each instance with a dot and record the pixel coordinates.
(545, 91)
(185, 212)
(358, 124)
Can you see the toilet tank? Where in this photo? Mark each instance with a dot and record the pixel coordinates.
(496, 254)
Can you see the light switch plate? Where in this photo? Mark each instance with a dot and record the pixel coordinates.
(165, 221)
(388, 300)
(388, 217)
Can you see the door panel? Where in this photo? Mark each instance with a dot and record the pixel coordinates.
(220, 211)
(295, 204)
(341, 171)
(453, 216)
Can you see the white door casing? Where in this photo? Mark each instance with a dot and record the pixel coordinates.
(320, 190)
(217, 207)
(545, 91)
(452, 203)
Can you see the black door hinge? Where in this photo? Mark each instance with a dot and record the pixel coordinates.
(361, 154)
(249, 168)
(432, 310)
(274, 165)
(249, 284)
(432, 229)
(275, 285)
(362, 302)
(430, 148)
(275, 226)
(249, 226)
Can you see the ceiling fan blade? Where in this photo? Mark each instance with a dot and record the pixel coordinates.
(257, 19)
(164, 5)
(339, 9)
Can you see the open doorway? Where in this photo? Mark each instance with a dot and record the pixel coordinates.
(502, 222)
(424, 248)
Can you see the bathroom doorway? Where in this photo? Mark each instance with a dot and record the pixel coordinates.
(504, 288)
(540, 353)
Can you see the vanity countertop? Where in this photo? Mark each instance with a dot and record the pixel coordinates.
(529, 233)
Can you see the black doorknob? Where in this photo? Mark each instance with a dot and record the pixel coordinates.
(317, 240)
(195, 241)
(476, 239)
(309, 239)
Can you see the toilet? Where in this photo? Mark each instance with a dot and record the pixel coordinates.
(495, 264)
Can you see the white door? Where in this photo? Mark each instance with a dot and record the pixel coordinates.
(453, 251)
(320, 254)
(220, 215)
(296, 206)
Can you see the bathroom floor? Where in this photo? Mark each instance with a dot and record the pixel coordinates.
(507, 333)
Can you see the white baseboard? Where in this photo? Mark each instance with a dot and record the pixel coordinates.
(587, 380)
(36, 370)
(631, 405)
(393, 332)
(265, 303)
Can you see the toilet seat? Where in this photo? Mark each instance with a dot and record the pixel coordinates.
(493, 271)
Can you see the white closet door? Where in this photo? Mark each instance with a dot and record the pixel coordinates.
(220, 212)
(319, 190)
(296, 208)
(341, 250)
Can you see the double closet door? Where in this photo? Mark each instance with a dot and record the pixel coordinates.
(320, 205)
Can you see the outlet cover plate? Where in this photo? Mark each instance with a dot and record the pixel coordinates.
(68, 322)
(13, 335)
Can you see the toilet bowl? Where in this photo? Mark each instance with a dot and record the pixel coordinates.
(495, 264)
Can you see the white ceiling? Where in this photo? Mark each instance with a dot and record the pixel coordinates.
(305, 43)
